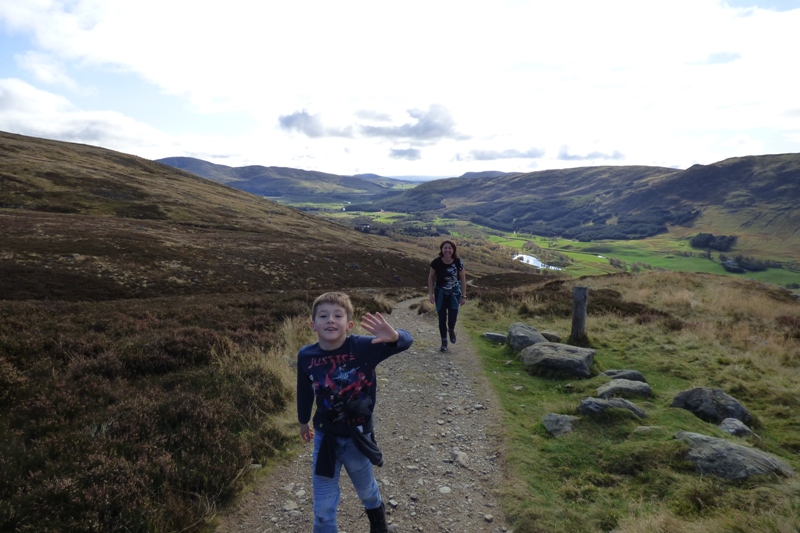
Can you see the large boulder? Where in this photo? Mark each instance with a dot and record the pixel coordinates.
(729, 460)
(595, 406)
(520, 336)
(552, 358)
(624, 387)
(711, 405)
(558, 425)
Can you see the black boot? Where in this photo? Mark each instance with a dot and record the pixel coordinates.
(453, 336)
(444, 346)
(377, 519)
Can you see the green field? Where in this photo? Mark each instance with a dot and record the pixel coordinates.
(669, 251)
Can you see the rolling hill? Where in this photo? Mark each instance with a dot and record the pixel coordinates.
(756, 197)
(753, 197)
(291, 184)
(84, 223)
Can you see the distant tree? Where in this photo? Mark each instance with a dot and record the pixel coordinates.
(755, 265)
(709, 241)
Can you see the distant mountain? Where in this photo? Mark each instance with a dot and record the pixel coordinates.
(754, 194)
(291, 184)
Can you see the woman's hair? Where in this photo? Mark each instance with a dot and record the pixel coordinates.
(334, 298)
(451, 243)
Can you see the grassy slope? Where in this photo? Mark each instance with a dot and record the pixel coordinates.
(681, 331)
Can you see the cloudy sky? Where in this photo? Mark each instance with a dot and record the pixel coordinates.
(426, 88)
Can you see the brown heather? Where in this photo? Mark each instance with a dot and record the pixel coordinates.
(143, 415)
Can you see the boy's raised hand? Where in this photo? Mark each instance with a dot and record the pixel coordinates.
(378, 326)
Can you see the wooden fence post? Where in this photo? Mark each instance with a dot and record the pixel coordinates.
(580, 300)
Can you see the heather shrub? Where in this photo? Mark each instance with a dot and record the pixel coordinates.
(132, 424)
(144, 415)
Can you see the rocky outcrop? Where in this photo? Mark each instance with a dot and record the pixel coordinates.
(520, 336)
(624, 387)
(729, 460)
(712, 405)
(551, 358)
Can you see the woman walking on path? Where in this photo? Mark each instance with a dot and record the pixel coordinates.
(447, 286)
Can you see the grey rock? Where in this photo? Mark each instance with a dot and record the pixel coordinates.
(558, 425)
(729, 460)
(289, 505)
(633, 375)
(460, 457)
(711, 405)
(736, 428)
(561, 359)
(595, 406)
(497, 338)
(622, 387)
(521, 336)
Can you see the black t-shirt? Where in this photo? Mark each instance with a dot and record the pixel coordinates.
(342, 380)
(447, 275)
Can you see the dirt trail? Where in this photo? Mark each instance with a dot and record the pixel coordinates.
(436, 422)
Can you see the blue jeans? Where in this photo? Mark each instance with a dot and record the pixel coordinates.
(326, 490)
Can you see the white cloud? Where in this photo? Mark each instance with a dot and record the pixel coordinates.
(30, 111)
(335, 86)
(45, 68)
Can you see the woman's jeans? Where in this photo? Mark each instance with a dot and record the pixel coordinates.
(326, 490)
(447, 320)
(447, 309)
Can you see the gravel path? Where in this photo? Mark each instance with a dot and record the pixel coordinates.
(436, 421)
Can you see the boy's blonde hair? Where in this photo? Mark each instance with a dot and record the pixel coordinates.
(334, 298)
